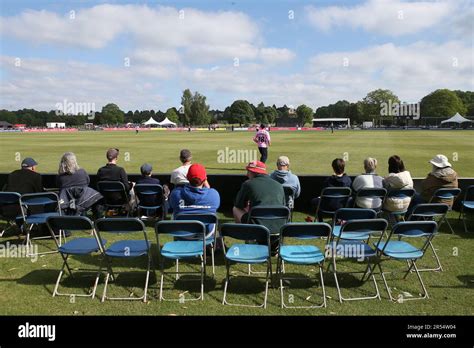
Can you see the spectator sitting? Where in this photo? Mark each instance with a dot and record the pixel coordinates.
(398, 178)
(442, 176)
(368, 180)
(195, 197)
(74, 192)
(146, 170)
(338, 179)
(284, 175)
(26, 179)
(179, 175)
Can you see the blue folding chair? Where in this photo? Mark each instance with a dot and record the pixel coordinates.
(430, 212)
(302, 254)
(403, 251)
(211, 222)
(150, 201)
(398, 215)
(75, 246)
(352, 242)
(36, 208)
(446, 194)
(249, 254)
(346, 214)
(290, 194)
(115, 196)
(376, 194)
(10, 209)
(332, 199)
(124, 249)
(181, 249)
(467, 205)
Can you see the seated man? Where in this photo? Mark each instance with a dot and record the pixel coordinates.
(179, 175)
(338, 179)
(195, 197)
(284, 175)
(259, 189)
(368, 180)
(146, 171)
(26, 179)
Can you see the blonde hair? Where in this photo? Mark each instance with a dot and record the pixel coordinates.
(370, 164)
(68, 164)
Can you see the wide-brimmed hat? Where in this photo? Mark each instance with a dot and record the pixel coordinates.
(440, 161)
(257, 167)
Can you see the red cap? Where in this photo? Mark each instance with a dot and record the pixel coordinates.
(197, 171)
(257, 167)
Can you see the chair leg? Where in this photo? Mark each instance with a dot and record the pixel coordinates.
(439, 268)
(213, 248)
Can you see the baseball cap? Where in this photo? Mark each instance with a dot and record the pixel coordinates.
(197, 171)
(257, 167)
(146, 169)
(28, 162)
(440, 161)
(283, 161)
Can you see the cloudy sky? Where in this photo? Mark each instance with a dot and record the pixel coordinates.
(143, 55)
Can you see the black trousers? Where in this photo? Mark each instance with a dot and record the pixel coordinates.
(263, 154)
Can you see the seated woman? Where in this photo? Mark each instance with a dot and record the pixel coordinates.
(368, 180)
(398, 178)
(73, 182)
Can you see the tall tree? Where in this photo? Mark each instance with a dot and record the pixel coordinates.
(112, 114)
(441, 103)
(199, 110)
(186, 102)
(172, 115)
(241, 112)
(304, 114)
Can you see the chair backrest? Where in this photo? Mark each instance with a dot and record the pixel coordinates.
(373, 193)
(182, 228)
(245, 232)
(446, 193)
(429, 211)
(149, 195)
(114, 193)
(305, 231)
(369, 226)
(208, 219)
(400, 193)
(334, 198)
(120, 226)
(270, 216)
(71, 224)
(40, 202)
(346, 214)
(469, 195)
(10, 205)
(289, 196)
(413, 229)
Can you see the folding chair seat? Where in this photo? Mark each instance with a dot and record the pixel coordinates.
(302, 254)
(124, 249)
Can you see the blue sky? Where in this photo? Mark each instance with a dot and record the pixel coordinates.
(141, 55)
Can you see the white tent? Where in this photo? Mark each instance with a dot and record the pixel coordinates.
(167, 123)
(456, 119)
(150, 122)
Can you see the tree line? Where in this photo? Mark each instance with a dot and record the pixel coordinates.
(194, 111)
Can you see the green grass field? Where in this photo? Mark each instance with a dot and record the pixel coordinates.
(26, 286)
(309, 152)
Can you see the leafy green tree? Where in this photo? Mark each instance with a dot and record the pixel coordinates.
(172, 115)
(186, 102)
(374, 101)
(304, 114)
(112, 114)
(241, 112)
(441, 103)
(199, 110)
(467, 98)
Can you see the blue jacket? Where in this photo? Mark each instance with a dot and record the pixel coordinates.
(188, 199)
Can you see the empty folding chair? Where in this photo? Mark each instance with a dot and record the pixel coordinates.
(398, 215)
(446, 194)
(75, 246)
(395, 249)
(10, 209)
(36, 208)
(182, 249)
(211, 222)
(249, 254)
(115, 195)
(430, 212)
(377, 195)
(124, 249)
(467, 205)
(150, 201)
(289, 198)
(302, 254)
(346, 214)
(332, 199)
(352, 242)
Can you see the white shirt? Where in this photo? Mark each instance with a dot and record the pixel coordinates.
(178, 176)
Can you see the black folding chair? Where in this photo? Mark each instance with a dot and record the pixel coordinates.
(10, 209)
(150, 201)
(115, 195)
(375, 194)
(332, 199)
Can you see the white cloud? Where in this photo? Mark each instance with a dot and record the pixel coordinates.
(391, 17)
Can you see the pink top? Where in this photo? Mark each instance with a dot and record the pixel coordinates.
(262, 138)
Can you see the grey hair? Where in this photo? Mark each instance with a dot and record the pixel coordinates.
(68, 164)
(370, 164)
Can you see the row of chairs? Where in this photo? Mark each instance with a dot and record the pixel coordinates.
(360, 225)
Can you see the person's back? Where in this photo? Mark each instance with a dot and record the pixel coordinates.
(148, 180)
(338, 181)
(112, 172)
(26, 179)
(263, 190)
(80, 178)
(440, 178)
(284, 176)
(398, 178)
(179, 175)
(368, 180)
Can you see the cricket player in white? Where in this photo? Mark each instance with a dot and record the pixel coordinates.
(263, 140)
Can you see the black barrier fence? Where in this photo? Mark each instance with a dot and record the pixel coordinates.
(229, 184)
